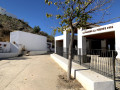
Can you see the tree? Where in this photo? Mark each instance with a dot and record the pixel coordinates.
(44, 33)
(76, 14)
(36, 29)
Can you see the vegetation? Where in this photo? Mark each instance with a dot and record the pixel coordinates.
(36, 29)
(76, 14)
(9, 24)
(14, 24)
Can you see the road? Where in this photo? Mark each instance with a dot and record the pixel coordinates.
(29, 73)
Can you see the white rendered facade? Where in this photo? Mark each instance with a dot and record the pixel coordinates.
(3, 12)
(108, 35)
(22, 41)
(30, 42)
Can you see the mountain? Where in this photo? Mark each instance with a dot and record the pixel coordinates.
(9, 24)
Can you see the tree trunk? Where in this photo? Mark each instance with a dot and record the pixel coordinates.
(70, 55)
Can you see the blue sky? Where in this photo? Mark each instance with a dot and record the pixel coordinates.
(34, 12)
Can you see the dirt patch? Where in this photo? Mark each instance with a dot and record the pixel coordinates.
(65, 84)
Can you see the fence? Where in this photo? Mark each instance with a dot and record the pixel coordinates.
(100, 61)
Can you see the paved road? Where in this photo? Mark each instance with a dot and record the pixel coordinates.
(29, 73)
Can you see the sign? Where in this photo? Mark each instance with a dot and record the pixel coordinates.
(99, 29)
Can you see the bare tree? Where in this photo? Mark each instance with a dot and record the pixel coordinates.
(76, 14)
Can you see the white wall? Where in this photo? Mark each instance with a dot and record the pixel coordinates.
(10, 47)
(32, 42)
(10, 50)
(14, 48)
(5, 49)
(81, 42)
(117, 38)
(59, 37)
(98, 30)
(66, 40)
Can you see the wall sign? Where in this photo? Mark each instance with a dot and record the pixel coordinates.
(99, 29)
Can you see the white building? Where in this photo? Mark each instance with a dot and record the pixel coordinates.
(3, 12)
(33, 43)
(95, 49)
(23, 43)
(103, 38)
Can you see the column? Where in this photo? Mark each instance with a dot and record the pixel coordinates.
(117, 38)
(66, 41)
(81, 42)
(55, 46)
(103, 44)
(81, 45)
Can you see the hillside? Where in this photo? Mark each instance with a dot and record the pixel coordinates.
(9, 24)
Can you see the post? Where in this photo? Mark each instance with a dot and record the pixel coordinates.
(66, 42)
(117, 38)
(81, 45)
(55, 46)
(103, 45)
(79, 56)
(113, 59)
(114, 54)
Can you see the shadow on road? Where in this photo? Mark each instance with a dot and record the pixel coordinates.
(23, 57)
(15, 58)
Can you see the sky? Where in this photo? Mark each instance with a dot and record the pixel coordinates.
(34, 12)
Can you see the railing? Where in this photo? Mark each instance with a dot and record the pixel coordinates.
(100, 61)
(59, 51)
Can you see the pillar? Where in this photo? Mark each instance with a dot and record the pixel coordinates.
(55, 46)
(66, 42)
(81, 45)
(117, 38)
(103, 44)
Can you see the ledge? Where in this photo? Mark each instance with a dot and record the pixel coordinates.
(37, 52)
(8, 55)
(89, 79)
